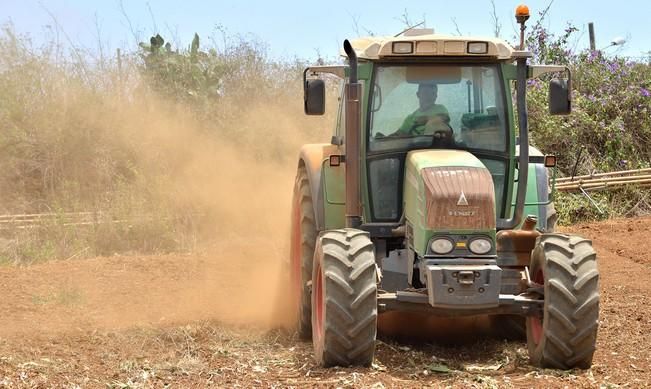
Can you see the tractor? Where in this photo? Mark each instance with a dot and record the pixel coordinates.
(429, 198)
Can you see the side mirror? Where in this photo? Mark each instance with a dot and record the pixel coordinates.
(314, 97)
(560, 101)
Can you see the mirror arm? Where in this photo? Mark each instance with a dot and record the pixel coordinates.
(336, 70)
(536, 71)
(305, 84)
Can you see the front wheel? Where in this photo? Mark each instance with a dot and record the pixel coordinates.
(344, 299)
(565, 336)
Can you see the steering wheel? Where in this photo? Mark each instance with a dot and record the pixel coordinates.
(439, 126)
(442, 133)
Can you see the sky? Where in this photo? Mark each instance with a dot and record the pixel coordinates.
(309, 29)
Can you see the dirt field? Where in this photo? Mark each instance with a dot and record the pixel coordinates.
(190, 321)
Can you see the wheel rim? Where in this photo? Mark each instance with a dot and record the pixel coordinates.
(536, 323)
(318, 304)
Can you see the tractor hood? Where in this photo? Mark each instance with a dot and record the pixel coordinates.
(447, 190)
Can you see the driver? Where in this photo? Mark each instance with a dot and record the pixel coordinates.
(429, 117)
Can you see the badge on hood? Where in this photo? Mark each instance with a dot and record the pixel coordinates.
(462, 199)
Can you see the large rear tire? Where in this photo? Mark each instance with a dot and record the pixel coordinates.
(566, 335)
(344, 299)
(302, 252)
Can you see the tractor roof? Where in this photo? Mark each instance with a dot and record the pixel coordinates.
(431, 45)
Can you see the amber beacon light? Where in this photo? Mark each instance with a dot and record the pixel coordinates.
(522, 13)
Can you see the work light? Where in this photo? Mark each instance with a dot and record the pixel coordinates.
(477, 48)
(403, 47)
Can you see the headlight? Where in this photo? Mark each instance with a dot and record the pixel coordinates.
(480, 246)
(442, 245)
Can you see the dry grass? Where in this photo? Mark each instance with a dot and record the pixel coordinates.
(81, 134)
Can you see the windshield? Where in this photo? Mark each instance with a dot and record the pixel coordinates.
(437, 106)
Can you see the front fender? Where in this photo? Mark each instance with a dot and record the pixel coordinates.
(312, 156)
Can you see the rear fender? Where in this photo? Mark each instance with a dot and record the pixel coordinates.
(312, 157)
(537, 199)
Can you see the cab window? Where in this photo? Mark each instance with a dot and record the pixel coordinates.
(410, 104)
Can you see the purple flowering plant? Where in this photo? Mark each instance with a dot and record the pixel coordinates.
(610, 121)
(611, 105)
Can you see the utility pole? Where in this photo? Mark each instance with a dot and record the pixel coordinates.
(591, 32)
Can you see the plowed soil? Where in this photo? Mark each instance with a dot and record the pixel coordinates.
(205, 320)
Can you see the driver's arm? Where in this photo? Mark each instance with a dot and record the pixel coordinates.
(415, 123)
(408, 125)
(443, 113)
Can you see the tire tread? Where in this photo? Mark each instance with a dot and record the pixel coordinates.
(308, 241)
(351, 294)
(571, 308)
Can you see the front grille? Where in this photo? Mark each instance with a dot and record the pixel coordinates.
(459, 198)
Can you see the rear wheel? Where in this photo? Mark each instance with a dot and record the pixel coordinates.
(344, 299)
(302, 252)
(565, 336)
(552, 217)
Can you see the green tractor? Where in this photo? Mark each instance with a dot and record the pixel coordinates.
(418, 203)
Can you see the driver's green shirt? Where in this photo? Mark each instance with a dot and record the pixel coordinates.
(409, 126)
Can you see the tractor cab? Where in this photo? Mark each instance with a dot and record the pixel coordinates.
(419, 201)
(434, 107)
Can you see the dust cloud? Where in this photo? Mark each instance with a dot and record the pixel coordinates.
(242, 185)
(233, 175)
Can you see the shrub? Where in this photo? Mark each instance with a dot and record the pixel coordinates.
(609, 128)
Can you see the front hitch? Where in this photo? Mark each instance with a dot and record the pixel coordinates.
(468, 284)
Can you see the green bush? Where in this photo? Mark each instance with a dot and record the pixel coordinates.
(609, 128)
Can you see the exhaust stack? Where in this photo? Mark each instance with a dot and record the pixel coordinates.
(353, 94)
